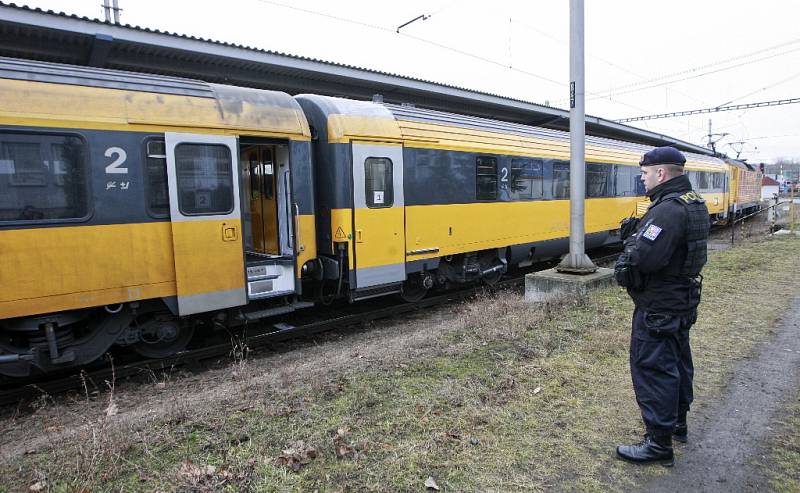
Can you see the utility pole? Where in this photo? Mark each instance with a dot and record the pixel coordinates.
(108, 8)
(576, 261)
(712, 142)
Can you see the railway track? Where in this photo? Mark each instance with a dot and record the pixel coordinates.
(16, 392)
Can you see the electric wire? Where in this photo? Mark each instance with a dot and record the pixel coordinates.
(762, 104)
(416, 38)
(634, 87)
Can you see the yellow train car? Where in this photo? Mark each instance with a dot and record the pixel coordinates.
(129, 202)
(419, 197)
(745, 187)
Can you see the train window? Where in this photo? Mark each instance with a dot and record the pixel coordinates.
(156, 179)
(486, 178)
(597, 180)
(42, 177)
(561, 180)
(702, 180)
(378, 182)
(692, 175)
(625, 178)
(718, 182)
(525, 182)
(205, 181)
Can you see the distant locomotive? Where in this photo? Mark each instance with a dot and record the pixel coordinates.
(134, 206)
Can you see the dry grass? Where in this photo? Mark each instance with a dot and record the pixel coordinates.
(783, 461)
(490, 395)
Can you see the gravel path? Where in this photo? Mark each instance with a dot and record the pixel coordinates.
(727, 440)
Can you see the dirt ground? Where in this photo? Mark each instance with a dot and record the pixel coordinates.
(729, 438)
(728, 446)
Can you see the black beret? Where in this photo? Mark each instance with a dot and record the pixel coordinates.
(663, 155)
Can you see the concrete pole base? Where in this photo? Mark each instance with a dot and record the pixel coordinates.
(548, 284)
(576, 263)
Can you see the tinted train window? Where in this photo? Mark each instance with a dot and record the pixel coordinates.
(486, 178)
(561, 180)
(205, 181)
(597, 177)
(378, 182)
(624, 180)
(156, 179)
(702, 180)
(525, 182)
(42, 177)
(718, 182)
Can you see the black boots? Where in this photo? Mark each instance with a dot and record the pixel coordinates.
(656, 447)
(681, 431)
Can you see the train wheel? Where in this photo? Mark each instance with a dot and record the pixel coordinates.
(493, 278)
(162, 336)
(487, 262)
(415, 288)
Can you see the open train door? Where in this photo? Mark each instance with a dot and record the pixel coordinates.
(202, 172)
(378, 214)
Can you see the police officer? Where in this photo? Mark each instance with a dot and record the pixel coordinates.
(660, 267)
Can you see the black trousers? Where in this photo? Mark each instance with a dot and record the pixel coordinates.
(661, 367)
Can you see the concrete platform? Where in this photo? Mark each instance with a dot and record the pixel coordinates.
(544, 285)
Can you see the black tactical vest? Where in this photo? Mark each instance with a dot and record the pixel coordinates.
(697, 227)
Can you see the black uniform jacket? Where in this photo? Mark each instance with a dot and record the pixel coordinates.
(658, 251)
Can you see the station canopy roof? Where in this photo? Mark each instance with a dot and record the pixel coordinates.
(57, 37)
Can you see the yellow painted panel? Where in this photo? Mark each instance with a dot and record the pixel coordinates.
(462, 228)
(51, 269)
(59, 105)
(84, 299)
(204, 262)
(422, 135)
(306, 232)
(715, 202)
(342, 128)
(379, 237)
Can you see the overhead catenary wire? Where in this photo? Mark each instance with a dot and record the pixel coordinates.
(770, 86)
(430, 42)
(762, 104)
(416, 38)
(599, 58)
(667, 78)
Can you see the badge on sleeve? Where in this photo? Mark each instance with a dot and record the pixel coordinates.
(652, 232)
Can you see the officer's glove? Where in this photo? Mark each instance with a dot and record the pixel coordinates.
(627, 227)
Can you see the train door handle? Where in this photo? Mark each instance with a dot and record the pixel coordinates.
(359, 236)
(229, 232)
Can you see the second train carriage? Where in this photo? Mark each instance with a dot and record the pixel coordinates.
(135, 206)
(409, 198)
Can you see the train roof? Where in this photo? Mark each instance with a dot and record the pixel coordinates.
(52, 94)
(365, 120)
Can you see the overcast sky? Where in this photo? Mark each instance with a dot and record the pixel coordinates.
(642, 57)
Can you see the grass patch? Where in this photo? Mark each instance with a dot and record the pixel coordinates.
(784, 457)
(490, 395)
